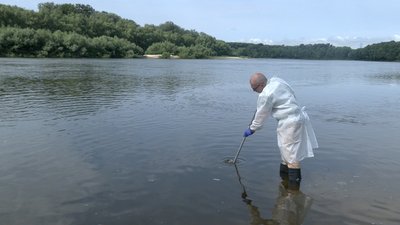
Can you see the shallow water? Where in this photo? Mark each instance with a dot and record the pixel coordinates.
(144, 142)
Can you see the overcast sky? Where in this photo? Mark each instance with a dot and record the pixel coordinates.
(354, 23)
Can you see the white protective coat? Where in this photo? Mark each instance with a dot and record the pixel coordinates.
(296, 137)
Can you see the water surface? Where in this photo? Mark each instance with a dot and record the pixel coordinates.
(143, 142)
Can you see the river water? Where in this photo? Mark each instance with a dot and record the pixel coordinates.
(144, 142)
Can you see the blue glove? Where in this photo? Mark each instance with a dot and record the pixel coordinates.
(248, 132)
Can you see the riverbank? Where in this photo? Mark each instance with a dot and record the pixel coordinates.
(159, 56)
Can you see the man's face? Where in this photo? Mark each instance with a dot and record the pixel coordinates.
(257, 87)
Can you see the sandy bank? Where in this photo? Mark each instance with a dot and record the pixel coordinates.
(158, 56)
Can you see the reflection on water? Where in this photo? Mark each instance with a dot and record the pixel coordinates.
(290, 208)
(79, 88)
(86, 141)
(390, 78)
(67, 96)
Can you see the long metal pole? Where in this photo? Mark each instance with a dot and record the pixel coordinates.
(244, 139)
(240, 148)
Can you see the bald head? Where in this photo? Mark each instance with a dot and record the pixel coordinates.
(257, 82)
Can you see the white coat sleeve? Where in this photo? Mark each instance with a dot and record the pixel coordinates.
(264, 108)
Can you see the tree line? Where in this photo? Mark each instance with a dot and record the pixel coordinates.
(77, 30)
(385, 51)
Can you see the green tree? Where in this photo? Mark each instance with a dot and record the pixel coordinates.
(78, 30)
(162, 47)
(195, 52)
(12, 16)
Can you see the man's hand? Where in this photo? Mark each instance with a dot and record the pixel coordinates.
(248, 132)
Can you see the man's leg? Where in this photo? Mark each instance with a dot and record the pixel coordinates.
(284, 173)
(294, 173)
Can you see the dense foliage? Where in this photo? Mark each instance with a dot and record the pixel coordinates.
(76, 30)
(386, 51)
(315, 51)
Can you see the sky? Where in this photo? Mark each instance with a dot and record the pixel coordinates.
(352, 23)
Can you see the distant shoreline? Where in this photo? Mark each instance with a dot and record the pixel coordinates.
(159, 56)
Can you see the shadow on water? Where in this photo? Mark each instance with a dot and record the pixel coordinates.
(291, 207)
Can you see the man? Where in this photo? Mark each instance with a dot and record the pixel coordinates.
(296, 138)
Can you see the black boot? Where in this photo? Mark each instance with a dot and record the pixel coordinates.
(283, 172)
(294, 179)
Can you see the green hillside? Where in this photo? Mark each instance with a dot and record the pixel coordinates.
(79, 31)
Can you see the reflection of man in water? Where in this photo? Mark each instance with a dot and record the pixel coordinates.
(290, 208)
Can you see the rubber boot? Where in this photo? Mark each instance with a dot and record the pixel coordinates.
(284, 174)
(294, 179)
(284, 171)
